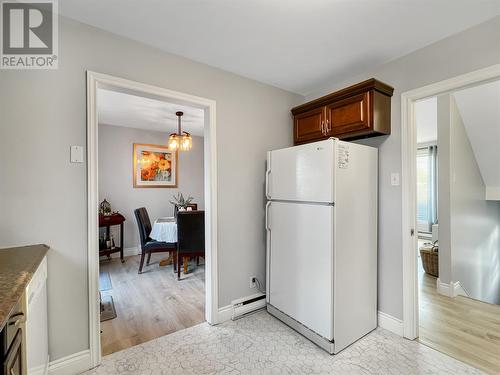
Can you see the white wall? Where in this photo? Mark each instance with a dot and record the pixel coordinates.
(116, 176)
(43, 198)
(470, 50)
(470, 253)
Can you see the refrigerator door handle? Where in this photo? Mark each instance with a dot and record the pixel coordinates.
(268, 204)
(268, 254)
(268, 173)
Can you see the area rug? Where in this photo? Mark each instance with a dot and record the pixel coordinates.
(108, 311)
(104, 281)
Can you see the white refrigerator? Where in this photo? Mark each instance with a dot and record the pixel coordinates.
(321, 223)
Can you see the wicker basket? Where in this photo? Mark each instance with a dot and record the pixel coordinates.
(430, 260)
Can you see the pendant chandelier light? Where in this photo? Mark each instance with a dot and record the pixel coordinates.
(181, 141)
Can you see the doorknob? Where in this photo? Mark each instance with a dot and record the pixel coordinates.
(412, 232)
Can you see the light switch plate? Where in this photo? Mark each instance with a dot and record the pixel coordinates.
(76, 154)
(395, 179)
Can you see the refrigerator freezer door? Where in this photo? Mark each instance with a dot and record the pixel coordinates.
(300, 246)
(303, 173)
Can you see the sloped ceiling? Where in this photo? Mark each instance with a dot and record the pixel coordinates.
(480, 110)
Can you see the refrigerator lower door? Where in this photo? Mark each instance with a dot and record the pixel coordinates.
(302, 173)
(300, 263)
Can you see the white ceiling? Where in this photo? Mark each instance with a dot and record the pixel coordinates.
(298, 45)
(131, 111)
(426, 118)
(480, 111)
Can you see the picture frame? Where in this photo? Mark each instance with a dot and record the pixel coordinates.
(154, 166)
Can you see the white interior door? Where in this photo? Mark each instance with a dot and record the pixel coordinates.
(302, 173)
(300, 247)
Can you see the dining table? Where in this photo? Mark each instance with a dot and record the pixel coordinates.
(165, 230)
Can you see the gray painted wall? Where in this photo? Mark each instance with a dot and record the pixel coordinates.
(116, 176)
(472, 249)
(470, 50)
(43, 198)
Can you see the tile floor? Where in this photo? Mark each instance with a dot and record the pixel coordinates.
(260, 344)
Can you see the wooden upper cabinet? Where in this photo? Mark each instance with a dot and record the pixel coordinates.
(309, 125)
(348, 115)
(359, 111)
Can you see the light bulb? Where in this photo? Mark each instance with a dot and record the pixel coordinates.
(173, 142)
(186, 142)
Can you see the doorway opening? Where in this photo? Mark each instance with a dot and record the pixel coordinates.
(139, 227)
(145, 187)
(452, 263)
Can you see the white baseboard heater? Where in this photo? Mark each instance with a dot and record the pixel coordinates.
(247, 305)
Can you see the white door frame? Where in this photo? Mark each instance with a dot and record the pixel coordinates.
(98, 80)
(409, 183)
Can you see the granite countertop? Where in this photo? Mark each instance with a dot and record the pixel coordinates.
(17, 266)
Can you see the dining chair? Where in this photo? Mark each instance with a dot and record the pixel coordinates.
(148, 245)
(190, 236)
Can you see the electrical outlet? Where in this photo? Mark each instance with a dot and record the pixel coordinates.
(253, 282)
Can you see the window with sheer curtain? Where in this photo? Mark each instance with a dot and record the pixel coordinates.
(426, 188)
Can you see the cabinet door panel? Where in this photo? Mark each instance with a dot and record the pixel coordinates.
(13, 362)
(309, 125)
(349, 115)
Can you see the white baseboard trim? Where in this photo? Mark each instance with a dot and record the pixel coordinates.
(43, 369)
(72, 364)
(390, 323)
(443, 288)
(453, 289)
(459, 290)
(225, 314)
(385, 321)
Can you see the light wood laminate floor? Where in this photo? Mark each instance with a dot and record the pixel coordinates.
(461, 327)
(151, 304)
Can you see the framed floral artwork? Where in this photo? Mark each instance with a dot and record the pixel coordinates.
(155, 166)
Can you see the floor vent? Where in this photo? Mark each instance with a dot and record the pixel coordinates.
(248, 305)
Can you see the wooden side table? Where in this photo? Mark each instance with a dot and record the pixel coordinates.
(107, 222)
